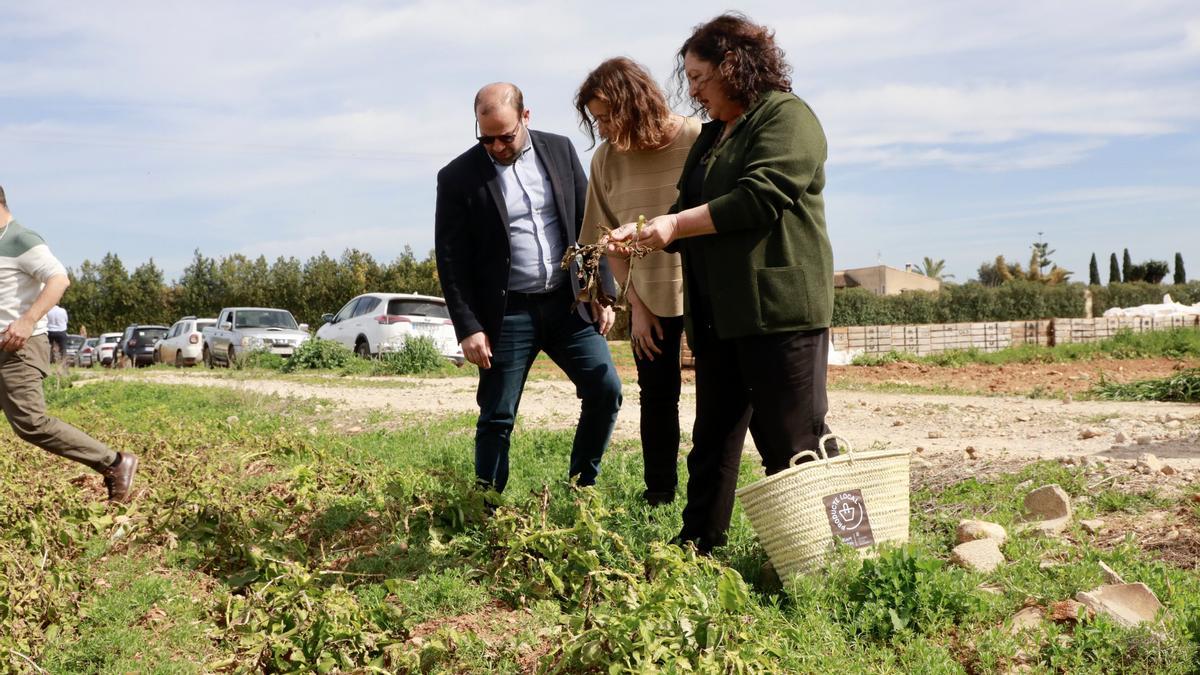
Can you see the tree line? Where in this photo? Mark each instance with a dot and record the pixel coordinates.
(106, 296)
(1149, 271)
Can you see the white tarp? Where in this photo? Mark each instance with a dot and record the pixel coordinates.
(1168, 307)
(837, 358)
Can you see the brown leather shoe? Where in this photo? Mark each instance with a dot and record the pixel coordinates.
(118, 478)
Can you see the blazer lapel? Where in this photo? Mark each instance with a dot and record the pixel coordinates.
(489, 171)
(550, 163)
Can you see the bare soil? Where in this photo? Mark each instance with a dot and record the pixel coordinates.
(1023, 379)
(942, 428)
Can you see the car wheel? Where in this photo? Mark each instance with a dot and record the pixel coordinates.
(208, 360)
(178, 359)
(363, 349)
(155, 359)
(230, 358)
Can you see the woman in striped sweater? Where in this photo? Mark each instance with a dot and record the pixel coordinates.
(635, 172)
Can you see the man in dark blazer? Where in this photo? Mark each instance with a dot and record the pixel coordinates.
(507, 209)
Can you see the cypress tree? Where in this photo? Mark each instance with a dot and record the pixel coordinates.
(1180, 275)
(1114, 270)
(1093, 272)
(1126, 265)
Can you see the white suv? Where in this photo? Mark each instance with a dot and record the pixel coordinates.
(104, 352)
(183, 345)
(378, 323)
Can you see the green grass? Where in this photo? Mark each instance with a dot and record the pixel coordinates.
(259, 546)
(1182, 387)
(1173, 344)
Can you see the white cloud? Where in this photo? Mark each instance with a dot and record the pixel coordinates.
(221, 117)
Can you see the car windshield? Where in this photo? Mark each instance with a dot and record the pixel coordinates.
(201, 325)
(150, 333)
(111, 339)
(264, 318)
(399, 307)
(74, 341)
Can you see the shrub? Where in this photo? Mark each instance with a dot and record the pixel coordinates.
(317, 353)
(259, 358)
(419, 355)
(1016, 300)
(905, 590)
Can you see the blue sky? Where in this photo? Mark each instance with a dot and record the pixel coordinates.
(957, 130)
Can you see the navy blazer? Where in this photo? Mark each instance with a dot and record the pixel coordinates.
(471, 232)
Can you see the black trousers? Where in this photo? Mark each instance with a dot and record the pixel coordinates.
(660, 381)
(780, 378)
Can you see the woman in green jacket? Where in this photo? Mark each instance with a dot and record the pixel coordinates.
(758, 268)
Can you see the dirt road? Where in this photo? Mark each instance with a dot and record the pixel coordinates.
(944, 427)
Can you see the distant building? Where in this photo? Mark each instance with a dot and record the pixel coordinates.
(884, 280)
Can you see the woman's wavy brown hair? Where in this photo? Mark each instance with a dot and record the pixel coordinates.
(639, 116)
(744, 54)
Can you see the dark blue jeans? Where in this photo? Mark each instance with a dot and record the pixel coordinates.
(534, 324)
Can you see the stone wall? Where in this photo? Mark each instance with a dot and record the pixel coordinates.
(988, 336)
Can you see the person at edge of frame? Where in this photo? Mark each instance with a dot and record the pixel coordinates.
(32, 281)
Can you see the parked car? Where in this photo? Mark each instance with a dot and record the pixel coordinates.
(88, 353)
(377, 323)
(108, 343)
(184, 343)
(240, 330)
(70, 355)
(136, 347)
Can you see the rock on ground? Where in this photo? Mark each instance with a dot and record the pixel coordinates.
(981, 555)
(970, 530)
(1128, 604)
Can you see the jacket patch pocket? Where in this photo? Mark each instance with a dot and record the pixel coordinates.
(782, 296)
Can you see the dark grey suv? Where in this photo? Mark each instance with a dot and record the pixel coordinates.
(137, 344)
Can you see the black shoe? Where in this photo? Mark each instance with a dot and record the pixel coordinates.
(658, 498)
(696, 543)
(118, 478)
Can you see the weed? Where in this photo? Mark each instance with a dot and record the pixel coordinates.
(419, 355)
(1182, 387)
(905, 591)
(318, 353)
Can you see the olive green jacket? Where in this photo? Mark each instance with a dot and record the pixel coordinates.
(769, 267)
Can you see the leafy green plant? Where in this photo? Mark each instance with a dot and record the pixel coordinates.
(318, 354)
(1182, 387)
(259, 358)
(902, 591)
(419, 355)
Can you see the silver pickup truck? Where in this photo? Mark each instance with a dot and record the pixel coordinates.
(241, 330)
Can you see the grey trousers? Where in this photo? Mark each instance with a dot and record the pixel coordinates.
(24, 404)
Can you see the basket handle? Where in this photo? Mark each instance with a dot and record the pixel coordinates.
(813, 454)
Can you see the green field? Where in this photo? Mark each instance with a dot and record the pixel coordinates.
(258, 545)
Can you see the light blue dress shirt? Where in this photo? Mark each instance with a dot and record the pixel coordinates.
(536, 238)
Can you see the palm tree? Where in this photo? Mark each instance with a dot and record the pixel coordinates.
(933, 269)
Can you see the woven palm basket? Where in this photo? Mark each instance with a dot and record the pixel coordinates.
(801, 512)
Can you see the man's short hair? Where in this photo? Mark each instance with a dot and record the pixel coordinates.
(3, 201)
(512, 97)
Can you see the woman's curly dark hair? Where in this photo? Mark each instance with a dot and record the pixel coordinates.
(743, 52)
(639, 116)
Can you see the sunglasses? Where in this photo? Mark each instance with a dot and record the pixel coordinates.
(503, 138)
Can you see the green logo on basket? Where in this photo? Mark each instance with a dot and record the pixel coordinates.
(848, 519)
